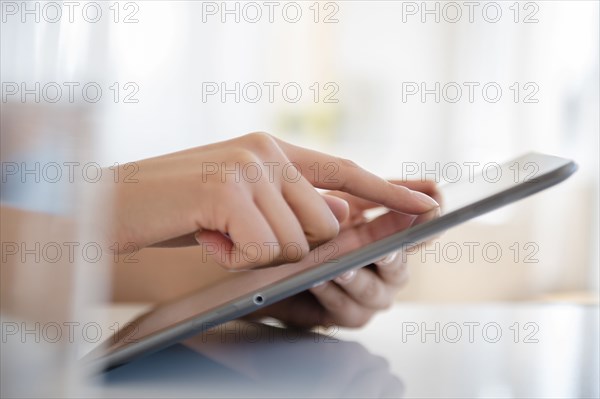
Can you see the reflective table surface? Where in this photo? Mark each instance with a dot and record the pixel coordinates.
(486, 350)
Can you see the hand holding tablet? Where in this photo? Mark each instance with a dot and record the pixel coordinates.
(354, 247)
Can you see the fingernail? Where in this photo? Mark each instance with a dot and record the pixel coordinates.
(345, 213)
(424, 198)
(388, 259)
(345, 277)
(318, 284)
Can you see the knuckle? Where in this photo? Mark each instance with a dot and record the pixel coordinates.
(262, 141)
(370, 290)
(241, 155)
(337, 302)
(348, 163)
(344, 165)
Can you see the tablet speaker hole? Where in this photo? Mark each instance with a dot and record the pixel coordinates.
(259, 299)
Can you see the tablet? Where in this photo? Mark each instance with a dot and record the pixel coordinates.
(244, 292)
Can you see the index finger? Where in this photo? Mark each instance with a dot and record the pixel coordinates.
(428, 187)
(334, 173)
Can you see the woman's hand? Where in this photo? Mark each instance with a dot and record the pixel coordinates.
(351, 299)
(250, 202)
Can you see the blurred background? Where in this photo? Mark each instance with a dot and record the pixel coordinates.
(402, 88)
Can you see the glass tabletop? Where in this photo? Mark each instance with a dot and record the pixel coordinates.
(477, 351)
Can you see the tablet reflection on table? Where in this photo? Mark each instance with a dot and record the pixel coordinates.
(245, 359)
